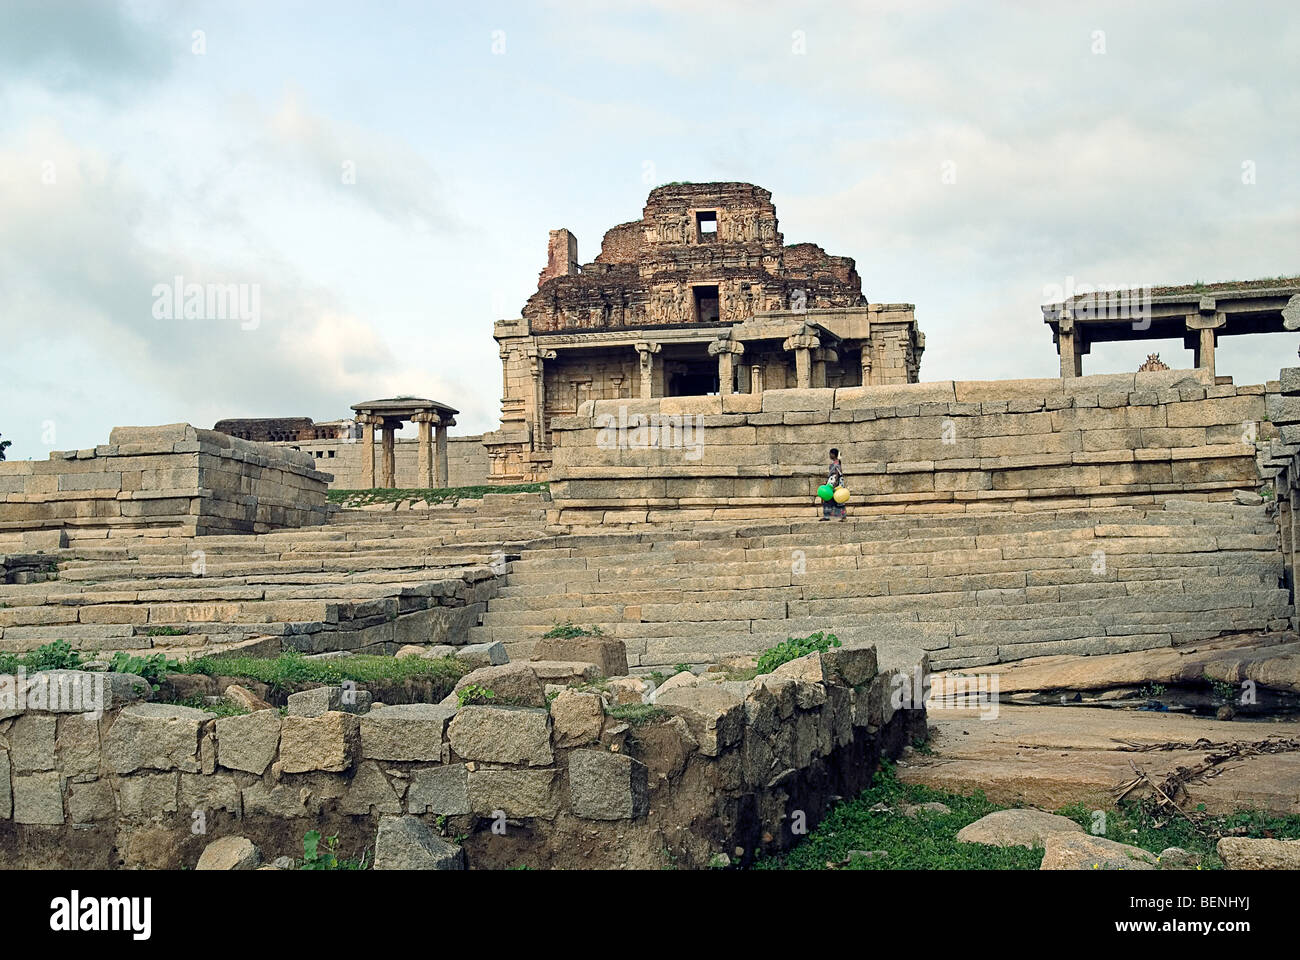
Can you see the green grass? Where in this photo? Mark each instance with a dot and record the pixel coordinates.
(226, 708)
(361, 498)
(567, 631)
(638, 714)
(289, 669)
(929, 841)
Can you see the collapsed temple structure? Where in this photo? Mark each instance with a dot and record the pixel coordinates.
(700, 296)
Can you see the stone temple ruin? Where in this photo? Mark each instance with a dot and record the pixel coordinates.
(679, 393)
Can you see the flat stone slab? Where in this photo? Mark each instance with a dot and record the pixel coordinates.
(1083, 851)
(1051, 756)
(405, 843)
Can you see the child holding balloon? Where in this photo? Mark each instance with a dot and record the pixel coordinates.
(833, 506)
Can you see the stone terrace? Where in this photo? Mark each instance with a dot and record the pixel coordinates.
(971, 588)
(369, 580)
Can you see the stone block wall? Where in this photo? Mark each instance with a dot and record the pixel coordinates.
(946, 445)
(722, 766)
(172, 478)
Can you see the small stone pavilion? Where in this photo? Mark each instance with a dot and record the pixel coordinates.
(700, 296)
(1198, 314)
(387, 416)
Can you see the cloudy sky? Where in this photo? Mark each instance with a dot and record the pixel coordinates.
(384, 176)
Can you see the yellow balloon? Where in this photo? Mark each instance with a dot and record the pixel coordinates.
(841, 494)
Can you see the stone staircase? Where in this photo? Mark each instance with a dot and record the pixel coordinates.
(369, 580)
(971, 588)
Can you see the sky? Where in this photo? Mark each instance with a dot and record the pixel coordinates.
(381, 177)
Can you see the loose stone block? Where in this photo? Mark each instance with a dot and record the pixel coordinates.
(147, 796)
(248, 742)
(405, 843)
(405, 732)
(442, 790)
(155, 736)
(512, 683)
(370, 790)
(715, 717)
(31, 742)
(577, 718)
(330, 742)
(229, 853)
(502, 734)
(90, 802)
(607, 653)
(607, 786)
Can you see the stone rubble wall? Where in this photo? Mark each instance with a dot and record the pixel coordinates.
(724, 767)
(173, 478)
(965, 446)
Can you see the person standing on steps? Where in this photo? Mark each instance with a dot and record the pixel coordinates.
(835, 479)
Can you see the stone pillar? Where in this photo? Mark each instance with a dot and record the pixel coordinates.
(756, 378)
(425, 454)
(367, 451)
(441, 444)
(866, 362)
(1069, 344)
(646, 353)
(388, 471)
(819, 360)
(726, 350)
(742, 379)
(1201, 331)
(537, 371)
(803, 344)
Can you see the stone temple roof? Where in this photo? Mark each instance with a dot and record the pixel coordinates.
(395, 406)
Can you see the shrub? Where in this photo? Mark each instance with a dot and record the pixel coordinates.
(473, 693)
(792, 648)
(56, 655)
(151, 667)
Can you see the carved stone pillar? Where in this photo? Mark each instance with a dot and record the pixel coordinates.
(756, 378)
(537, 372)
(866, 362)
(646, 353)
(803, 344)
(726, 350)
(441, 444)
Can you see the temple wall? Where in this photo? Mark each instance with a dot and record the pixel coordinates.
(979, 445)
(175, 478)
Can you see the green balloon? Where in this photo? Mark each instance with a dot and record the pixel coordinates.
(826, 491)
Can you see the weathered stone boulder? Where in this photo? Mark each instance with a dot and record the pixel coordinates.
(852, 664)
(321, 700)
(715, 715)
(229, 853)
(502, 735)
(577, 718)
(609, 654)
(511, 683)
(607, 786)
(155, 736)
(683, 679)
(410, 731)
(1016, 828)
(1246, 853)
(566, 672)
(405, 843)
(243, 697)
(626, 691)
(1083, 851)
(370, 792)
(808, 668)
(248, 742)
(329, 742)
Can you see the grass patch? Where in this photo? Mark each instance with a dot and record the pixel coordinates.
(928, 841)
(567, 631)
(792, 648)
(226, 708)
(290, 669)
(362, 498)
(638, 714)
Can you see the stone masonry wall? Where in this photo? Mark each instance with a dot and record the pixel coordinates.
(962, 446)
(174, 477)
(724, 765)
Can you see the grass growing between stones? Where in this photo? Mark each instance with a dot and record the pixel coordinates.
(362, 498)
(928, 841)
(290, 669)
